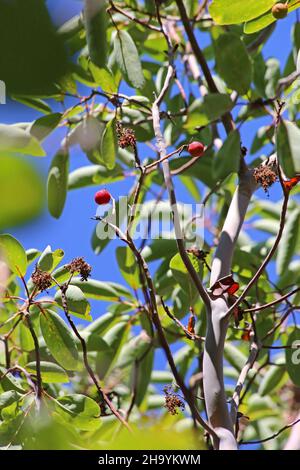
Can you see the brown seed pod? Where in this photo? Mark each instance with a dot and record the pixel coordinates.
(280, 10)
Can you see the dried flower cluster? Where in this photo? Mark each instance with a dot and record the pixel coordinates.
(79, 265)
(126, 136)
(172, 401)
(41, 279)
(265, 176)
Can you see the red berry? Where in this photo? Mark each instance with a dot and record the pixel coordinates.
(196, 149)
(102, 197)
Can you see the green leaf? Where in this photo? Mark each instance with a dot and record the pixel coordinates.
(59, 340)
(233, 62)
(33, 102)
(236, 12)
(144, 376)
(8, 398)
(103, 78)
(114, 338)
(128, 266)
(127, 57)
(288, 147)
(57, 183)
(288, 243)
(182, 276)
(95, 20)
(26, 340)
(265, 19)
(234, 356)
(32, 254)
(292, 355)
(109, 145)
(94, 175)
(43, 126)
(9, 382)
(22, 189)
(14, 254)
(15, 139)
(101, 324)
(99, 290)
(227, 159)
(272, 380)
(76, 301)
(50, 259)
(212, 108)
(50, 372)
(82, 411)
(134, 350)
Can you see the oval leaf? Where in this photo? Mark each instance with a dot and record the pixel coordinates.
(14, 254)
(57, 183)
(50, 372)
(233, 62)
(76, 301)
(108, 145)
(59, 340)
(227, 159)
(127, 57)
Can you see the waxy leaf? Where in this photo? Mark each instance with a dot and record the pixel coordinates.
(50, 372)
(13, 254)
(227, 159)
(128, 266)
(288, 147)
(109, 145)
(288, 243)
(50, 259)
(76, 301)
(233, 62)
(59, 340)
(211, 109)
(236, 12)
(15, 139)
(57, 183)
(82, 411)
(95, 20)
(127, 57)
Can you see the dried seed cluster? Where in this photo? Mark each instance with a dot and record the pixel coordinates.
(41, 279)
(79, 265)
(265, 176)
(172, 401)
(126, 136)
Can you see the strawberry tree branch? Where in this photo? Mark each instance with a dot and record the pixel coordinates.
(63, 288)
(268, 257)
(151, 295)
(37, 355)
(276, 434)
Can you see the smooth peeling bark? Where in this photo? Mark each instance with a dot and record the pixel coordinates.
(217, 320)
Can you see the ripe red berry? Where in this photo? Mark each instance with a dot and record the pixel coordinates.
(196, 149)
(102, 197)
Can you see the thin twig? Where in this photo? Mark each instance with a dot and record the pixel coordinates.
(276, 434)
